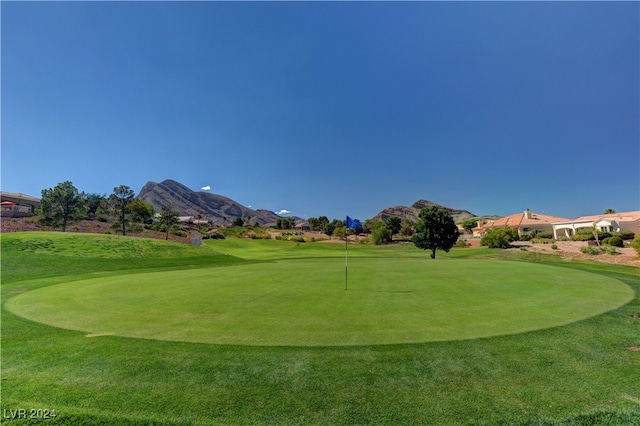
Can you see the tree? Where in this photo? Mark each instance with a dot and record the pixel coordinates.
(499, 237)
(469, 224)
(238, 222)
(314, 223)
(120, 202)
(381, 233)
(435, 230)
(394, 223)
(367, 226)
(609, 211)
(62, 204)
(340, 232)
(168, 218)
(285, 223)
(141, 211)
(406, 230)
(323, 221)
(329, 227)
(93, 203)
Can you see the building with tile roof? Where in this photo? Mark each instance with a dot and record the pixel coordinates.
(525, 222)
(18, 205)
(613, 222)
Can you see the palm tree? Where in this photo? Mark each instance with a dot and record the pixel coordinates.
(609, 211)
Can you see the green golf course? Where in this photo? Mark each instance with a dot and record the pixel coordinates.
(304, 302)
(109, 330)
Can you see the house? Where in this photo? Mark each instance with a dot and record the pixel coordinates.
(17, 205)
(303, 226)
(525, 222)
(626, 221)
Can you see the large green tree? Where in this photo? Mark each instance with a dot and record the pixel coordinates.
(168, 218)
(120, 204)
(141, 211)
(394, 223)
(435, 230)
(381, 234)
(94, 204)
(62, 204)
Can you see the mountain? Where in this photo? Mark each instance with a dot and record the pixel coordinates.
(411, 213)
(209, 206)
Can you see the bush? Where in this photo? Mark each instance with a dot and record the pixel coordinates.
(583, 236)
(499, 237)
(613, 241)
(542, 241)
(526, 237)
(461, 244)
(624, 235)
(554, 246)
(609, 250)
(544, 234)
(635, 244)
(260, 236)
(213, 236)
(590, 250)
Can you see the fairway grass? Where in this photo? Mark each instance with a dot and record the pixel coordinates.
(303, 302)
(578, 371)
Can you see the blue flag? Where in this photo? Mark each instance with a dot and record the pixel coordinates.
(353, 223)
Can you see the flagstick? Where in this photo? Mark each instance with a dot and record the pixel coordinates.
(346, 259)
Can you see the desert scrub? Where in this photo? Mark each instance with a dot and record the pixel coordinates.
(589, 250)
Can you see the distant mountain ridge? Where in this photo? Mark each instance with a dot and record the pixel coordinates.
(220, 209)
(411, 213)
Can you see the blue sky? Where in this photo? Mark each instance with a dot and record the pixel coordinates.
(329, 108)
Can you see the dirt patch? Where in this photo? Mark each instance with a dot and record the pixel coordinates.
(633, 348)
(99, 335)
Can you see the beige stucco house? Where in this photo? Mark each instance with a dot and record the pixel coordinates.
(17, 205)
(625, 221)
(524, 222)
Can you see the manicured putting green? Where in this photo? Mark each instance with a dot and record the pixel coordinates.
(303, 302)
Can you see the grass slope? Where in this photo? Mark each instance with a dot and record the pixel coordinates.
(580, 373)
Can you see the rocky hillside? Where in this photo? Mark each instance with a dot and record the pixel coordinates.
(209, 206)
(411, 213)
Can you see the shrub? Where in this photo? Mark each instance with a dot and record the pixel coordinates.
(609, 250)
(499, 237)
(213, 236)
(613, 241)
(590, 250)
(635, 244)
(624, 235)
(583, 236)
(554, 246)
(542, 240)
(260, 236)
(543, 234)
(461, 243)
(526, 236)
